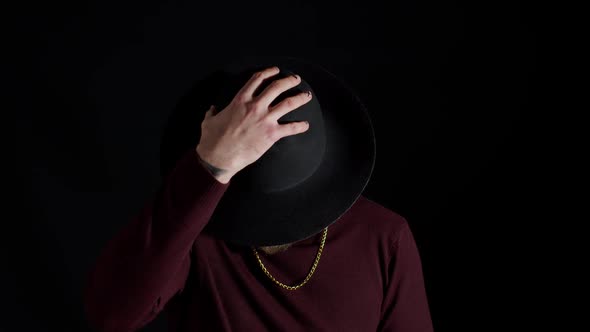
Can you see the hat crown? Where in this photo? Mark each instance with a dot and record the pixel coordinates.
(292, 159)
(340, 139)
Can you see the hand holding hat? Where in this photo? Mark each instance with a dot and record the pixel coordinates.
(244, 130)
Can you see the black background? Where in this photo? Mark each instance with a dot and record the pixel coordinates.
(448, 86)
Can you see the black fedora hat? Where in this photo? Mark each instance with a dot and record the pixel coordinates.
(304, 182)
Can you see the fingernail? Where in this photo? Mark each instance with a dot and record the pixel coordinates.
(296, 76)
(308, 93)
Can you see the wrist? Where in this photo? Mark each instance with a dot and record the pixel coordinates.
(220, 174)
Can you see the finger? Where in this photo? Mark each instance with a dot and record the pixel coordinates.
(289, 104)
(292, 128)
(257, 78)
(276, 88)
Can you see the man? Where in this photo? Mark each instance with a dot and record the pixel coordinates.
(193, 251)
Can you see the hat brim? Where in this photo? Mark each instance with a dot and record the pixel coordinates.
(262, 219)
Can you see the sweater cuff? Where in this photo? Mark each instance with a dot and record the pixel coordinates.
(191, 181)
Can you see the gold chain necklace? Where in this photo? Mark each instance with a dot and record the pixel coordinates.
(315, 264)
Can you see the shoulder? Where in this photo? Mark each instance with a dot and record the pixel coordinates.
(381, 222)
(379, 216)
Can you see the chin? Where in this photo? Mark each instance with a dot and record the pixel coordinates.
(275, 249)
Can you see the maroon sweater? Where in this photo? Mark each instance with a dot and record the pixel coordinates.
(369, 277)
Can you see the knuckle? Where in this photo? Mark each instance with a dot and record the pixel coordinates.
(276, 84)
(240, 98)
(252, 106)
(290, 102)
(257, 75)
(271, 133)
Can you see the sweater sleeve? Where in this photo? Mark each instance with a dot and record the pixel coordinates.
(147, 262)
(405, 305)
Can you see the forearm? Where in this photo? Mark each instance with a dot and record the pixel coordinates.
(148, 260)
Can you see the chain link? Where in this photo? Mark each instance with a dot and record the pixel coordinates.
(315, 264)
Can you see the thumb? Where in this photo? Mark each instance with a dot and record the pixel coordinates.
(210, 111)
